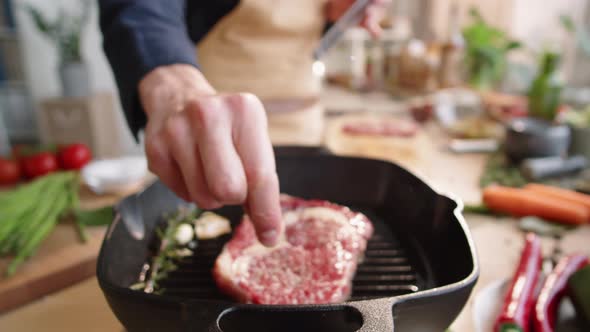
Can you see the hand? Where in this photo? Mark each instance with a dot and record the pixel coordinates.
(209, 148)
(373, 14)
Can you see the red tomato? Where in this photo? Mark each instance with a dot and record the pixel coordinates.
(39, 164)
(9, 172)
(74, 156)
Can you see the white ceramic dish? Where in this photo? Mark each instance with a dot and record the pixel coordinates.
(488, 303)
(114, 175)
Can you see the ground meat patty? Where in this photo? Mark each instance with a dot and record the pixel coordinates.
(314, 262)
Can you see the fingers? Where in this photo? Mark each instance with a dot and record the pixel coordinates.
(185, 152)
(222, 167)
(216, 151)
(373, 16)
(265, 211)
(254, 147)
(374, 13)
(161, 162)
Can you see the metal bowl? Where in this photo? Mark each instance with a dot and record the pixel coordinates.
(534, 138)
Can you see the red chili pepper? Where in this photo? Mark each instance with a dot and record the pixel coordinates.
(519, 301)
(553, 291)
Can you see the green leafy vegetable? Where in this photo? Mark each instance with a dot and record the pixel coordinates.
(545, 92)
(500, 171)
(99, 217)
(30, 212)
(487, 48)
(480, 209)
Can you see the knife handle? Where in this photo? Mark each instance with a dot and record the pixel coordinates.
(351, 17)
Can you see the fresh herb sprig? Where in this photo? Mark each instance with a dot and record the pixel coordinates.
(500, 171)
(172, 248)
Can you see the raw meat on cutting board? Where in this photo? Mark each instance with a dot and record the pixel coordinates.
(314, 262)
(381, 127)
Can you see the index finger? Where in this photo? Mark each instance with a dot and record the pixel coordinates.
(374, 13)
(253, 145)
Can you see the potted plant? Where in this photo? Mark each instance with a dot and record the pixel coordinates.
(486, 50)
(545, 92)
(65, 31)
(541, 134)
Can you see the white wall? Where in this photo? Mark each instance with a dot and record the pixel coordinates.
(496, 12)
(524, 18)
(532, 21)
(537, 24)
(41, 60)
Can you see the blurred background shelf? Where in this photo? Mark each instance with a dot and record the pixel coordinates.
(18, 123)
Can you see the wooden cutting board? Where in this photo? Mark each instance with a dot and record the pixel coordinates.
(424, 154)
(61, 261)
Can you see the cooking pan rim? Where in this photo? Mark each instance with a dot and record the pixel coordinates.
(469, 280)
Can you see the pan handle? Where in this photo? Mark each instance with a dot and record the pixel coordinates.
(295, 150)
(377, 314)
(370, 315)
(203, 315)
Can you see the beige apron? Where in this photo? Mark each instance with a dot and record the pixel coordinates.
(265, 47)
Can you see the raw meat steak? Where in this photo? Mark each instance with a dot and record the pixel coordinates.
(314, 262)
(385, 128)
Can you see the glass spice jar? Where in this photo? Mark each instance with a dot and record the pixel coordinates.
(346, 62)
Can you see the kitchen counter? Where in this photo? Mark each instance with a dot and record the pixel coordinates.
(83, 308)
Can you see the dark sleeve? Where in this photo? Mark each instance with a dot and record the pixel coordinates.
(140, 35)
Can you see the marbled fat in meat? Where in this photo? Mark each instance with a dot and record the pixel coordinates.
(314, 262)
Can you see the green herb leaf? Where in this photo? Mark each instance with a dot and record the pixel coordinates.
(166, 259)
(81, 228)
(40, 21)
(567, 23)
(99, 217)
(500, 171)
(477, 209)
(513, 44)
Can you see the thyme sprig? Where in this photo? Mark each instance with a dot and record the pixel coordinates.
(170, 251)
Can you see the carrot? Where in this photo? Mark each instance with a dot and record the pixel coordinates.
(522, 202)
(564, 194)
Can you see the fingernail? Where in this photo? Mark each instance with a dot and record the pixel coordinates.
(269, 238)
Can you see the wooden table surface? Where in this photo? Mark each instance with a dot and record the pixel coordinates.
(83, 308)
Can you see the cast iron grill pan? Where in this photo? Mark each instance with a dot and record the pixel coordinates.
(386, 270)
(418, 271)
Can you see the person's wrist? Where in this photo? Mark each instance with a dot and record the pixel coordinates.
(167, 88)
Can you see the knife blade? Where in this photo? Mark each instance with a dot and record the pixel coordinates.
(351, 17)
(130, 211)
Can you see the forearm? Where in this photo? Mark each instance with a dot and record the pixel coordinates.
(139, 36)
